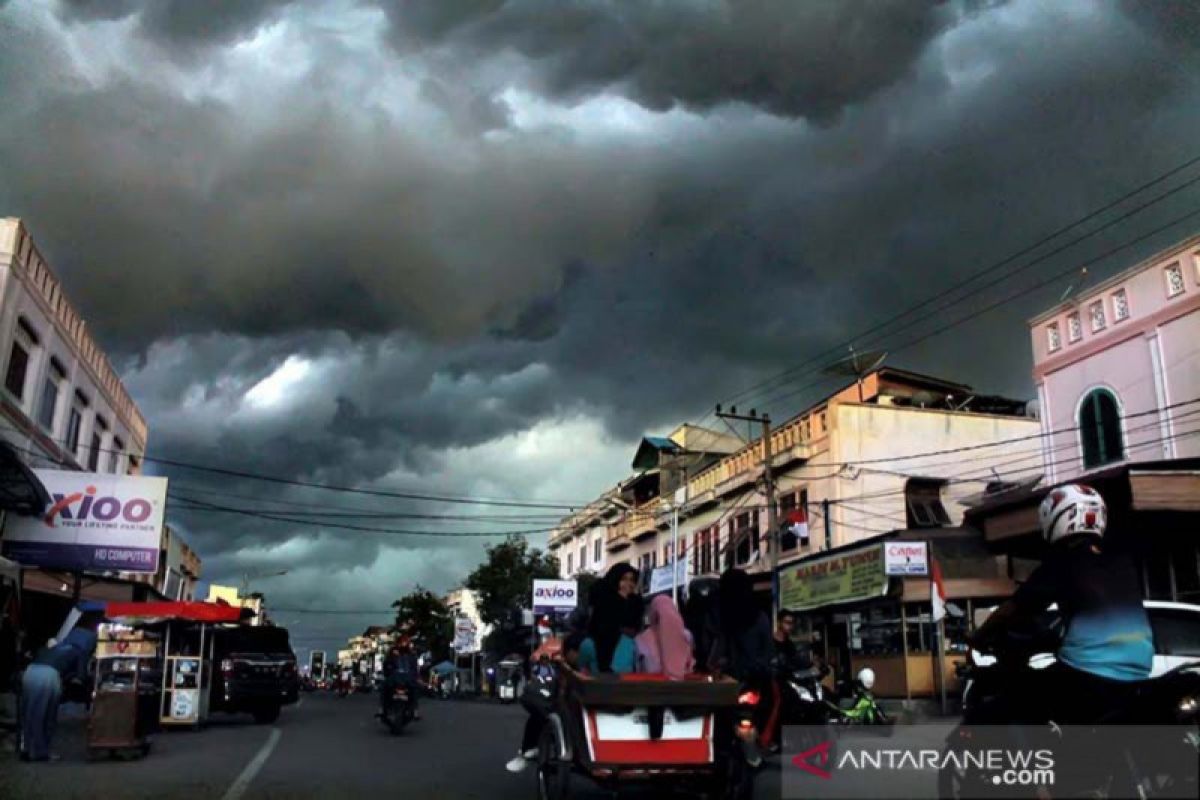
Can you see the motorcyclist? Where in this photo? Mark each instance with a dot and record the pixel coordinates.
(1107, 644)
(400, 668)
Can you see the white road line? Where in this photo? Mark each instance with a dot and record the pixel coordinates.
(248, 774)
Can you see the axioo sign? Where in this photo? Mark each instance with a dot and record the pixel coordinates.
(96, 522)
(554, 595)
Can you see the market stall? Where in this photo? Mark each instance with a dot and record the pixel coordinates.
(124, 709)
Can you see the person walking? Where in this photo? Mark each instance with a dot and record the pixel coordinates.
(42, 688)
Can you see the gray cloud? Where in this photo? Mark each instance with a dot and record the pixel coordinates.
(795, 59)
(180, 22)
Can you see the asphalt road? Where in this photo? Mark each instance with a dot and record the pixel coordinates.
(324, 747)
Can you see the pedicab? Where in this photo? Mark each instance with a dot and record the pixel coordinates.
(647, 730)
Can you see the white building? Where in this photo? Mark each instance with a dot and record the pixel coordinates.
(62, 405)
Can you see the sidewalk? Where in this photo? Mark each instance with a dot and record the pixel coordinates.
(70, 737)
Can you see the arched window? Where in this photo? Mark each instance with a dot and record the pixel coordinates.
(1100, 429)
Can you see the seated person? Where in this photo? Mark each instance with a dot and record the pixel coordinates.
(666, 644)
(616, 617)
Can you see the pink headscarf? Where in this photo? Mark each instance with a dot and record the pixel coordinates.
(666, 645)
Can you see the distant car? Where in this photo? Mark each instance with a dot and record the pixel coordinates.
(257, 672)
(1176, 630)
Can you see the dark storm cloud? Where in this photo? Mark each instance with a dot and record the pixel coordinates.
(181, 22)
(795, 59)
(485, 259)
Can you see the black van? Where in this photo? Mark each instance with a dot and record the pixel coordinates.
(254, 672)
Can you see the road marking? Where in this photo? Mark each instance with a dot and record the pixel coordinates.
(251, 771)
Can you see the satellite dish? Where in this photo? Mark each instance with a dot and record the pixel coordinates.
(857, 365)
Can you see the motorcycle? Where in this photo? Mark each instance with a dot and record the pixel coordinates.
(864, 709)
(399, 706)
(804, 701)
(990, 715)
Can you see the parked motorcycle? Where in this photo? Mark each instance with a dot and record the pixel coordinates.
(989, 712)
(863, 708)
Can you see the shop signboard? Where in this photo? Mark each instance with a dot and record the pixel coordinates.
(549, 596)
(906, 558)
(842, 578)
(96, 522)
(660, 577)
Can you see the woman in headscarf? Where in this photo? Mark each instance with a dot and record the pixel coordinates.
(666, 645)
(744, 648)
(616, 617)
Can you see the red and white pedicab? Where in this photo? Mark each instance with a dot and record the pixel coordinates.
(644, 729)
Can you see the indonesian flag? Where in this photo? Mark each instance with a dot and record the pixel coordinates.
(937, 590)
(797, 524)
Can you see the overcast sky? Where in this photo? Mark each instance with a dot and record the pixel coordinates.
(480, 246)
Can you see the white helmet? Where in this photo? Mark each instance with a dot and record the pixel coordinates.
(866, 676)
(1070, 510)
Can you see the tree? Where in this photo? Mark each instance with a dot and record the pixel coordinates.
(504, 584)
(424, 617)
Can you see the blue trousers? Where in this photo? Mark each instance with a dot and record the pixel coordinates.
(41, 689)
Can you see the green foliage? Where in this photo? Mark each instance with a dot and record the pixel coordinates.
(423, 616)
(504, 581)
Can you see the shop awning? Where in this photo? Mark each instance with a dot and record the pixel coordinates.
(160, 612)
(20, 490)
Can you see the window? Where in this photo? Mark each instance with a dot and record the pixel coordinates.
(807, 428)
(583, 556)
(789, 537)
(1100, 429)
(24, 340)
(114, 455)
(1120, 304)
(824, 426)
(55, 375)
(1074, 327)
(1096, 313)
(596, 551)
(923, 499)
(1176, 633)
(74, 424)
(744, 533)
(1174, 274)
(570, 564)
(1053, 337)
(702, 551)
(94, 453)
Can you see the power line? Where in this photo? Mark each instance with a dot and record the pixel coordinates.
(763, 385)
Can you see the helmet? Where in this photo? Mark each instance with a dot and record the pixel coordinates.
(1072, 509)
(866, 676)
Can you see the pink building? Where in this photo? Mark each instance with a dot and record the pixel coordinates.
(1117, 368)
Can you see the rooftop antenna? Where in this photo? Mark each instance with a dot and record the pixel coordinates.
(857, 365)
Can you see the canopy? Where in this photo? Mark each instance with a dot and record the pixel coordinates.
(20, 490)
(159, 612)
(444, 668)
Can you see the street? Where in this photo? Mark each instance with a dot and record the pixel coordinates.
(322, 747)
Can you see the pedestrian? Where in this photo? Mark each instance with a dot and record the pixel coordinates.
(42, 688)
(616, 617)
(666, 645)
(785, 659)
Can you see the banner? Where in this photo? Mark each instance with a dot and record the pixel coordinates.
(660, 577)
(464, 635)
(906, 558)
(554, 595)
(843, 578)
(96, 522)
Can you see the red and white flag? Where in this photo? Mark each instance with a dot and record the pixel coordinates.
(937, 590)
(797, 524)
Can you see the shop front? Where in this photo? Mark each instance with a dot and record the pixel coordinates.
(856, 614)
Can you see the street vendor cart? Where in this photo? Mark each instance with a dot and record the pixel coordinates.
(187, 648)
(124, 709)
(644, 730)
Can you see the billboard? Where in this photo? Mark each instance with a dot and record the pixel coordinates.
(96, 522)
(465, 635)
(906, 558)
(554, 595)
(845, 578)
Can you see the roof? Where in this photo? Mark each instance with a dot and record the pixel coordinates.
(649, 450)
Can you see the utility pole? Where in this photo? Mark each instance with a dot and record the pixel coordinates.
(769, 493)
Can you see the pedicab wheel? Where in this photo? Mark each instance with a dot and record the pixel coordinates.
(553, 774)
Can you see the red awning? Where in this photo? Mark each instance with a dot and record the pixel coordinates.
(195, 612)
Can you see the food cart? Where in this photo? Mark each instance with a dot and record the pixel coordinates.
(187, 647)
(124, 709)
(510, 679)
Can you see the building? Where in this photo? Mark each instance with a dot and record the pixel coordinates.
(229, 594)
(178, 569)
(62, 402)
(1118, 374)
(1117, 368)
(661, 466)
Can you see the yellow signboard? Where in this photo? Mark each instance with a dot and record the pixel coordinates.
(844, 578)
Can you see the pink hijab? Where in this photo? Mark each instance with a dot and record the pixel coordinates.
(666, 645)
